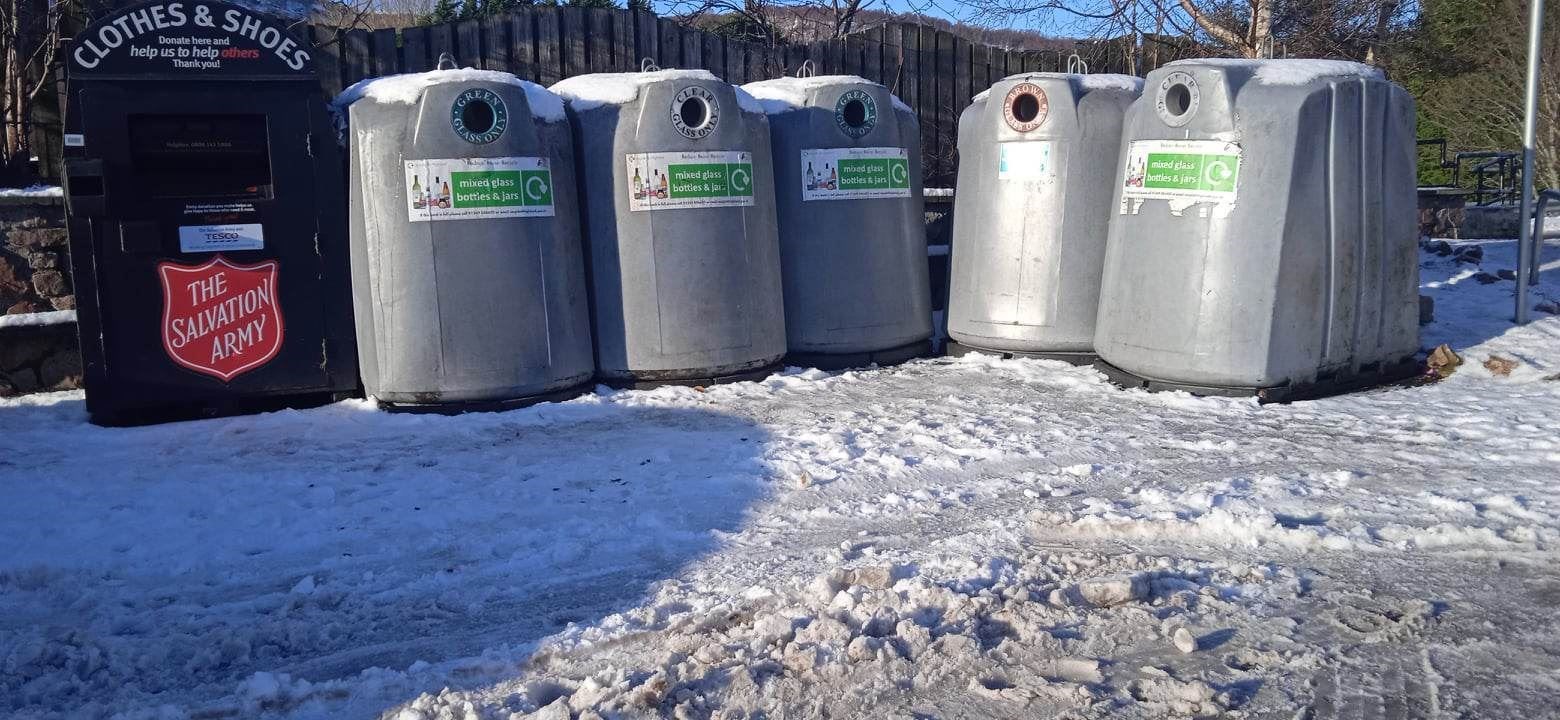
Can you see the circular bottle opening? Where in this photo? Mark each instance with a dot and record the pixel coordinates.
(1178, 99)
(854, 113)
(478, 116)
(694, 112)
(1026, 107)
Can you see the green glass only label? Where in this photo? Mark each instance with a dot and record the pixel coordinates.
(1182, 169)
(854, 173)
(478, 188)
(671, 180)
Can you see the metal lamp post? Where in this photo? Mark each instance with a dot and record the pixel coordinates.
(1527, 251)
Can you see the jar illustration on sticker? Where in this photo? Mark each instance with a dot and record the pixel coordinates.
(695, 112)
(1025, 107)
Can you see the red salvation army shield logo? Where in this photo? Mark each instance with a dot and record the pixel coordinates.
(220, 319)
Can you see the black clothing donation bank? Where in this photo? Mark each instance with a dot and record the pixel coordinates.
(204, 188)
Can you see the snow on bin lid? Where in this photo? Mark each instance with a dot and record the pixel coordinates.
(790, 93)
(588, 92)
(1087, 81)
(1290, 72)
(405, 89)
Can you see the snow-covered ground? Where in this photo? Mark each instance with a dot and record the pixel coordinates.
(33, 191)
(949, 538)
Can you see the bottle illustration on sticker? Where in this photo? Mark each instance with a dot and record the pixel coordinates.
(444, 196)
(1135, 173)
(418, 202)
(661, 190)
(639, 185)
(812, 178)
(833, 179)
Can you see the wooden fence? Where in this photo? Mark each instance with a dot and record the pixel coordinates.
(933, 71)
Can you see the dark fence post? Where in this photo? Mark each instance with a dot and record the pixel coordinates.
(386, 51)
(549, 53)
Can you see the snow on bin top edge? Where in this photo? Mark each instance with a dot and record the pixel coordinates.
(1087, 81)
(405, 89)
(588, 92)
(785, 94)
(1290, 71)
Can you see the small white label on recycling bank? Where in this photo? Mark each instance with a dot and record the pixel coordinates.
(1024, 160)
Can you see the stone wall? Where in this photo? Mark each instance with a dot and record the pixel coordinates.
(39, 358)
(34, 256)
(34, 278)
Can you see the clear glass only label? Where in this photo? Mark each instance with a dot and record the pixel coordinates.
(671, 180)
(478, 188)
(855, 173)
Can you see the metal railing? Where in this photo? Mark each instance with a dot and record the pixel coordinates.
(1497, 179)
(1540, 213)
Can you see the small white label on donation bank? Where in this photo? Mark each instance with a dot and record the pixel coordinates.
(218, 238)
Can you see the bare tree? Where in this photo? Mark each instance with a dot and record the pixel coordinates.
(1243, 28)
(774, 21)
(29, 35)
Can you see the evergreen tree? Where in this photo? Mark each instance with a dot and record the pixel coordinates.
(443, 11)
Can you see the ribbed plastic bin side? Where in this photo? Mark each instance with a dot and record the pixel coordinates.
(468, 272)
(1265, 229)
(1038, 157)
(851, 220)
(680, 222)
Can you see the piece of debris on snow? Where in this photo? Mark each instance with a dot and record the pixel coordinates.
(1443, 361)
(1103, 592)
(1500, 366)
(1184, 641)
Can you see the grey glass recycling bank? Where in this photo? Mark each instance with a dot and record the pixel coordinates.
(1037, 157)
(852, 224)
(468, 279)
(680, 224)
(203, 190)
(1263, 239)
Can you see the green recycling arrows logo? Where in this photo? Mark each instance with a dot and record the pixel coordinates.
(741, 179)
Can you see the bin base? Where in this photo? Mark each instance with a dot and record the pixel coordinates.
(958, 349)
(457, 408)
(846, 361)
(650, 383)
(1369, 376)
(245, 406)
